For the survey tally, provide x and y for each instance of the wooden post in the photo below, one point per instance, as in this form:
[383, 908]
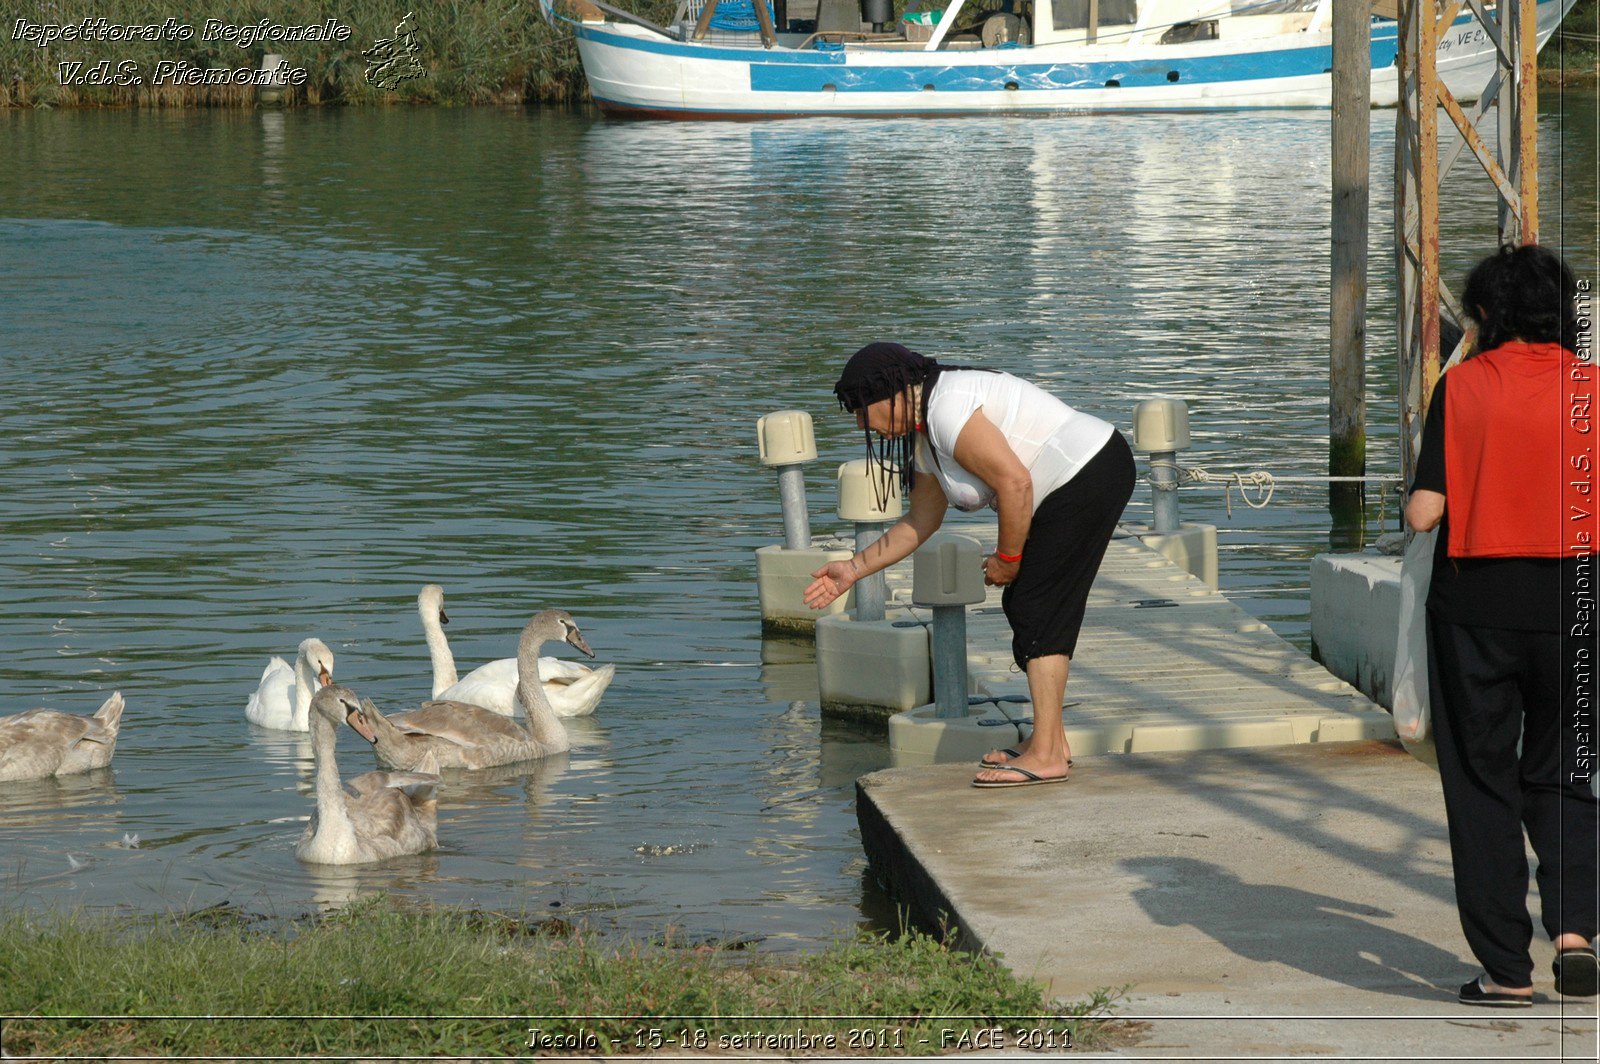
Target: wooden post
[1092, 33]
[703, 23]
[769, 35]
[1352, 139]
[1521, 23]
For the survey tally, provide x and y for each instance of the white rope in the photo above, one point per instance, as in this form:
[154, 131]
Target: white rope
[1260, 482]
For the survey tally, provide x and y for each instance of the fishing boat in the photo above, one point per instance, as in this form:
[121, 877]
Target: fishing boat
[749, 59]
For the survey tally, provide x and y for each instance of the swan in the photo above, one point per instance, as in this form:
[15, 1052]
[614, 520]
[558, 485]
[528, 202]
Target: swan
[572, 690]
[461, 735]
[283, 697]
[41, 742]
[373, 816]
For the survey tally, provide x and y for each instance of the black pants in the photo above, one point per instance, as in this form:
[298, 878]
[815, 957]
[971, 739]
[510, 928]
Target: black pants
[1486, 687]
[1066, 543]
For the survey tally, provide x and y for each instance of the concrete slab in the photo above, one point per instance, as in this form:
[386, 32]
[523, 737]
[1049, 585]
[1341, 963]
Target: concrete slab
[1259, 903]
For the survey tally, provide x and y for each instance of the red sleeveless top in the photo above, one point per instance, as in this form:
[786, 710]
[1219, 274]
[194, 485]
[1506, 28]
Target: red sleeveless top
[1520, 454]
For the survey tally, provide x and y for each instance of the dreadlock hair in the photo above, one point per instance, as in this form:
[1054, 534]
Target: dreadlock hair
[877, 372]
[1522, 293]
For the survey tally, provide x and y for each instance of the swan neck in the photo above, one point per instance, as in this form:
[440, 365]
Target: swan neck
[305, 685]
[444, 663]
[333, 817]
[542, 723]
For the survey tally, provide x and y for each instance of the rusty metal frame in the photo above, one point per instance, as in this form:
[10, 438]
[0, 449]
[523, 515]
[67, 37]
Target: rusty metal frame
[1512, 166]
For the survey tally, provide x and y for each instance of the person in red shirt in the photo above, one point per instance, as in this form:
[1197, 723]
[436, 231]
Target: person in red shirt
[1506, 473]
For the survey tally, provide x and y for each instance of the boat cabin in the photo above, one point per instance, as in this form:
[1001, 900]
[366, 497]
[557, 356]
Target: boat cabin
[961, 25]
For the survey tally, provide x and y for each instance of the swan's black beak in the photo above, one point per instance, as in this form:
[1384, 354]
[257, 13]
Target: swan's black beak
[359, 723]
[575, 638]
[444, 618]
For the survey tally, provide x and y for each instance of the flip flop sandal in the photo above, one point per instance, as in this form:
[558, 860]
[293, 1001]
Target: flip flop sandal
[1577, 972]
[984, 762]
[1033, 779]
[1473, 993]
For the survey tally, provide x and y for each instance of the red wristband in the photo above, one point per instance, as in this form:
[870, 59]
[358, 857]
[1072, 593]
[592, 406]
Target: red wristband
[1009, 559]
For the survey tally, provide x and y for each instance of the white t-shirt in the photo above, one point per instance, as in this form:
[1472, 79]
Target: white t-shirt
[1053, 440]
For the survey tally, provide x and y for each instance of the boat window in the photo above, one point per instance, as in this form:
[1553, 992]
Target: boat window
[1074, 14]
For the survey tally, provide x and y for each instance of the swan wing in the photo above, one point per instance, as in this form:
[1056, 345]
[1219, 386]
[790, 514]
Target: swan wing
[580, 696]
[390, 821]
[492, 686]
[272, 704]
[419, 786]
[462, 724]
[561, 671]
[34, 744]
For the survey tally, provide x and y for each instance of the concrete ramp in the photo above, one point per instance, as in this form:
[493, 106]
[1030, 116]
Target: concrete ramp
[1291, 901]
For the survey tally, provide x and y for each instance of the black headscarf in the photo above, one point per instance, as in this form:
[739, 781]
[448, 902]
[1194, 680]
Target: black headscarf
[875, 373]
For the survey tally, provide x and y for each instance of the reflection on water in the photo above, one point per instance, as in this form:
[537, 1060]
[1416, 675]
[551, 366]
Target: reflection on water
[278, 370]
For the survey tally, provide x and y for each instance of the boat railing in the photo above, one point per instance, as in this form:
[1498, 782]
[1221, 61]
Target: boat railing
[1159, 22]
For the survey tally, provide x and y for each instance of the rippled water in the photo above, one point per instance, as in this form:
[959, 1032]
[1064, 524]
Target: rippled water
[269, 373]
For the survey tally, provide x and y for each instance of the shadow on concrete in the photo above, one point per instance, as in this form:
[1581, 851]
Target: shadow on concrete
[1332, 942]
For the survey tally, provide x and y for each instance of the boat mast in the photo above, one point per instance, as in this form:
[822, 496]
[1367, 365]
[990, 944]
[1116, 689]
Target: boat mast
[944, 25]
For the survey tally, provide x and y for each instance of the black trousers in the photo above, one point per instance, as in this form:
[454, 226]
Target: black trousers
[1067, 541]
[1487, 687]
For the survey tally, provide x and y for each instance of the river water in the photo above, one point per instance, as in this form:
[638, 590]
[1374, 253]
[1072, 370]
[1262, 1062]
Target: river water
[269, 373]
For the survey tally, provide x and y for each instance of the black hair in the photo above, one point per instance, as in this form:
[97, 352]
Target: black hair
[1522, 293]
[877, 372]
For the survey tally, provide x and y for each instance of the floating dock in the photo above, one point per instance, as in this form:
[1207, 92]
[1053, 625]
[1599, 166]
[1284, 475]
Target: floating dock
[1265, 869]
[1164, 663]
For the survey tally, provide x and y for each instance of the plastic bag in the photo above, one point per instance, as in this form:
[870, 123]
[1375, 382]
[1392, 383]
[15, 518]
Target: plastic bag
[1411, 650]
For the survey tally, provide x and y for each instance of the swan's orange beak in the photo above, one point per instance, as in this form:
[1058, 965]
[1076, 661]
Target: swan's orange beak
[325, 676]
[355, 719]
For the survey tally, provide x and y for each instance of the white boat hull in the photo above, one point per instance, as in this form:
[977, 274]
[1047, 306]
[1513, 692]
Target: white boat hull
[632, 70]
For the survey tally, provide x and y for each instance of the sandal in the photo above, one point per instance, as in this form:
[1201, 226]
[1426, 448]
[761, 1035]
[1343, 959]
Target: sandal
[1577, 972]
[1029, 779]
[984, 762]
[1473, 993]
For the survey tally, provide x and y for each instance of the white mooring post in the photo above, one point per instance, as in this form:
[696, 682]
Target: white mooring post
[858, 502]
[947, 576]
[788, 441]
[1161, 430]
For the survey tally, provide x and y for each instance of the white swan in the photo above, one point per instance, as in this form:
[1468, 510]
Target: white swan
[461, 735]
[376, 814]
[572, 690]
[42, 742]
[283, 698]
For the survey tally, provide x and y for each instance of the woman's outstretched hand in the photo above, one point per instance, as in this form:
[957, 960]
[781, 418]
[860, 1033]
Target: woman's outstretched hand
[832, 580]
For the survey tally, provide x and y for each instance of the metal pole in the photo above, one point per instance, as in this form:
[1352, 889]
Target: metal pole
[948, 647]
[1164, 490]
[1352, 138]
[796, 522]
[872, 592]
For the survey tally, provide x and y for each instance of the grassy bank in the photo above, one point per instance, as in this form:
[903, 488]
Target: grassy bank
[78, 985]
[1573, 56]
